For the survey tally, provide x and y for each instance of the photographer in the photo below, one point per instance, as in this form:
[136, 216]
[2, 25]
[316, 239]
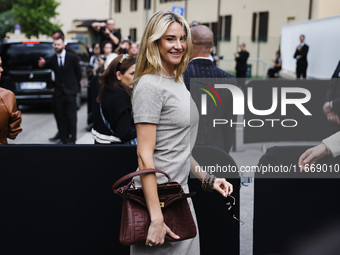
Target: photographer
[107, 32]
[124, 47]
[105, 59]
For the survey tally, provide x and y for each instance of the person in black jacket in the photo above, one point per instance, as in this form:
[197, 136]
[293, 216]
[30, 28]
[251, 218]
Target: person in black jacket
[301, 58]
[241, 58]
[113, 124]
[67, 85]
[201, 66]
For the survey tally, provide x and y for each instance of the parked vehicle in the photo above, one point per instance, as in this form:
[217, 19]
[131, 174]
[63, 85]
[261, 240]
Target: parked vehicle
[22, 75]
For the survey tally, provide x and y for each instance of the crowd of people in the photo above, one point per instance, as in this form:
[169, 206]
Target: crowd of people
[142, 97]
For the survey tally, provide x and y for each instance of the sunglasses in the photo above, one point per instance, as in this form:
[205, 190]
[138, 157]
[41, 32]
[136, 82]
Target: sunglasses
[230, 202]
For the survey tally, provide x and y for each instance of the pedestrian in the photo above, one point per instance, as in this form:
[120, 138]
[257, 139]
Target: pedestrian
[276, 67]
[108, 32]
[106, 58]
[56, 138]
[10, 117]
[241, 58]
[133, 51]
[301, 58]
[166, 120]
[201, 66]
[92, 85]
[113, 124]
[67, 85]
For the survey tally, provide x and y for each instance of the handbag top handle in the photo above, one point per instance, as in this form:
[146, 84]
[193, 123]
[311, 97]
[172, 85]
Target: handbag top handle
[139, 172]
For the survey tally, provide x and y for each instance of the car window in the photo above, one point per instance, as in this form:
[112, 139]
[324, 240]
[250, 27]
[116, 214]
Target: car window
[25, 56]
[80, 50]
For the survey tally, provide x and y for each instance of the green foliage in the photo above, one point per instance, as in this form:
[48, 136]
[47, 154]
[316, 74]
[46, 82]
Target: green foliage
[6, 5]
[34, 16]
[7, 23]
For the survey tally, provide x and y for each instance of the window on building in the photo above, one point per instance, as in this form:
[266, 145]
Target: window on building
[133, 34]
[290, 19]
[253, 27]
[133, 5]
[263, 26]
[117, 5]
[147, 4]
[262, 33]
[227, 28]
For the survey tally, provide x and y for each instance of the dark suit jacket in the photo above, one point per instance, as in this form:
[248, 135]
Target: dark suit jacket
[302, 61]
[67, 79]
[222, 136]
[241, 61]
[333, 91]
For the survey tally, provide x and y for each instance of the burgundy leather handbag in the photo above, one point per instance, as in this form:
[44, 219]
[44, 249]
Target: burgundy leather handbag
[135, 219]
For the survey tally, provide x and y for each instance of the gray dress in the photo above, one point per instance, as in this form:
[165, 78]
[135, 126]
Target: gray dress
[159, 100]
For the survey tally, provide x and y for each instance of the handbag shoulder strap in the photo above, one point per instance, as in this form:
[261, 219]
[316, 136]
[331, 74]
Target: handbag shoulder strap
[139, 172]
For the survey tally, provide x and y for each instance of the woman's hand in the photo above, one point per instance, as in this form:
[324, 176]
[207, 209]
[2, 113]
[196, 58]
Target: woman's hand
[333, 117]
[312, 155]
[156, 234]
[222, 186]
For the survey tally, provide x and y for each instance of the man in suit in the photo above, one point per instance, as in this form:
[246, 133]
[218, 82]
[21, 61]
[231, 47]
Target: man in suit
[67, 84]
[301, 58]
[201, 66]
[241, 58]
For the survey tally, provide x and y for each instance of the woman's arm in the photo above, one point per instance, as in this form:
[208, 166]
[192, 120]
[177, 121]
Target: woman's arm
[125, 129]
[221, 185]
[146, 141]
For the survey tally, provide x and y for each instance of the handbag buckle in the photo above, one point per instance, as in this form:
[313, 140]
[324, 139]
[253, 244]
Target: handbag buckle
[133, 184]
[161, 204]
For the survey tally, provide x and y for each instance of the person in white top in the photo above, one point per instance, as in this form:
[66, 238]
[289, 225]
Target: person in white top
[107, 58]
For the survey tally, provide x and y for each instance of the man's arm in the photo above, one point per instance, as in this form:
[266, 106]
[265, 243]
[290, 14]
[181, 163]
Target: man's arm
[113, 38]
[97, 25]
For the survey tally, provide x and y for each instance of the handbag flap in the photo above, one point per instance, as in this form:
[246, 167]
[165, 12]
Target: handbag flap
[168, 193]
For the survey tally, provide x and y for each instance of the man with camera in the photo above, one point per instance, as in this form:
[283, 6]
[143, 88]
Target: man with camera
[108, 32]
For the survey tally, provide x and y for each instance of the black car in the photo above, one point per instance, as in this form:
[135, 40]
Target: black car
[22, 75]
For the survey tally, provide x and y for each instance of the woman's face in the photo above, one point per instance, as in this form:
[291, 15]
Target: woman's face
[1, 70]
[172, 46]
[107, 49]
[96, 49]
[126, 79]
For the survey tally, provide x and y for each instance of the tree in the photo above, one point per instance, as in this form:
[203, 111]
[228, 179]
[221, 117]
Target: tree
[34, 16]
[7, 23]
[6, 5]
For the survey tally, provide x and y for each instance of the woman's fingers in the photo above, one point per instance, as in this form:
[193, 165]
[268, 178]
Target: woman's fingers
[223, 187]
[170, 233]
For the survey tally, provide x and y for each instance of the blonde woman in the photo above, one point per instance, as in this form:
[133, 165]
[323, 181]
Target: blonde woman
[166, 121]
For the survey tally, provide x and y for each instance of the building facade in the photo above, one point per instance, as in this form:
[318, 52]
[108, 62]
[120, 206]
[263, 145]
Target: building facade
[257, 23]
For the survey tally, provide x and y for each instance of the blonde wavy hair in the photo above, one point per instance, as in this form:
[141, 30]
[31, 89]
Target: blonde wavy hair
[148, 58]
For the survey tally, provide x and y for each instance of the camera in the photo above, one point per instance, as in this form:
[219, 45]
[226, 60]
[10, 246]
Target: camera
[219, 57]
[102, 29]
[123, 51]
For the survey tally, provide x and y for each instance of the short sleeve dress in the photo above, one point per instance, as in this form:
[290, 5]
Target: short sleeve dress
[160, 100]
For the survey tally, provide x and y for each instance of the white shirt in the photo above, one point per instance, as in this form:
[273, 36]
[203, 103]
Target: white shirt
[109, 58]
[62, 55]
[202, 58]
